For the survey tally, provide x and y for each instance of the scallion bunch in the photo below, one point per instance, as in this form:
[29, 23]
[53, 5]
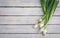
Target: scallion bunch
[48, 7]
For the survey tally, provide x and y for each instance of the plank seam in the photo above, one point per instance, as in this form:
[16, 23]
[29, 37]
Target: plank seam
[26, 24]
[28, 33]
[28, 15]
[22, 7]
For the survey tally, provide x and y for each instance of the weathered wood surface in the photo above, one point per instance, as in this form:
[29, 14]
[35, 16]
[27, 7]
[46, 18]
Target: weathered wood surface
[18, 16]
[29, 36]
[26, 19]
[24, 11]
[27, 29]
[20, 3]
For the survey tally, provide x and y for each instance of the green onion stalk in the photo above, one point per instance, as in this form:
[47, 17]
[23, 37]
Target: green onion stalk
[48, 7]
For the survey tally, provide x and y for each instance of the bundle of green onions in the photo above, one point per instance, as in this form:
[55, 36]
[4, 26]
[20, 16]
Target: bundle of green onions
[48, 7]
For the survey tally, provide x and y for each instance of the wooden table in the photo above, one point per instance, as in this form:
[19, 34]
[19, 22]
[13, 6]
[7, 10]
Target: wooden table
[18, 16]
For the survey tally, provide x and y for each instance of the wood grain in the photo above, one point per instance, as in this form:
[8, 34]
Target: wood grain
[26, 20]
[24, 11]
[21, 3]
[29, 36]
[22, 29]
[18, 16]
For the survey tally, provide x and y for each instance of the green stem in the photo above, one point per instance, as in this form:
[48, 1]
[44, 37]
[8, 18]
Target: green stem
[52, 12]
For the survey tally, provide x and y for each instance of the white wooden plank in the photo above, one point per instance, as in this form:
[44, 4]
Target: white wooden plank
[27, 29]
[25, 20]
[29, 36]
[24, 11]
[20, 3]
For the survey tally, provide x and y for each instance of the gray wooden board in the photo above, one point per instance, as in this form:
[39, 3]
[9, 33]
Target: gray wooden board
[29, 36]
[26, 19]
[20, 3]
[27, 29]
[24, 11]
[18, 16]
